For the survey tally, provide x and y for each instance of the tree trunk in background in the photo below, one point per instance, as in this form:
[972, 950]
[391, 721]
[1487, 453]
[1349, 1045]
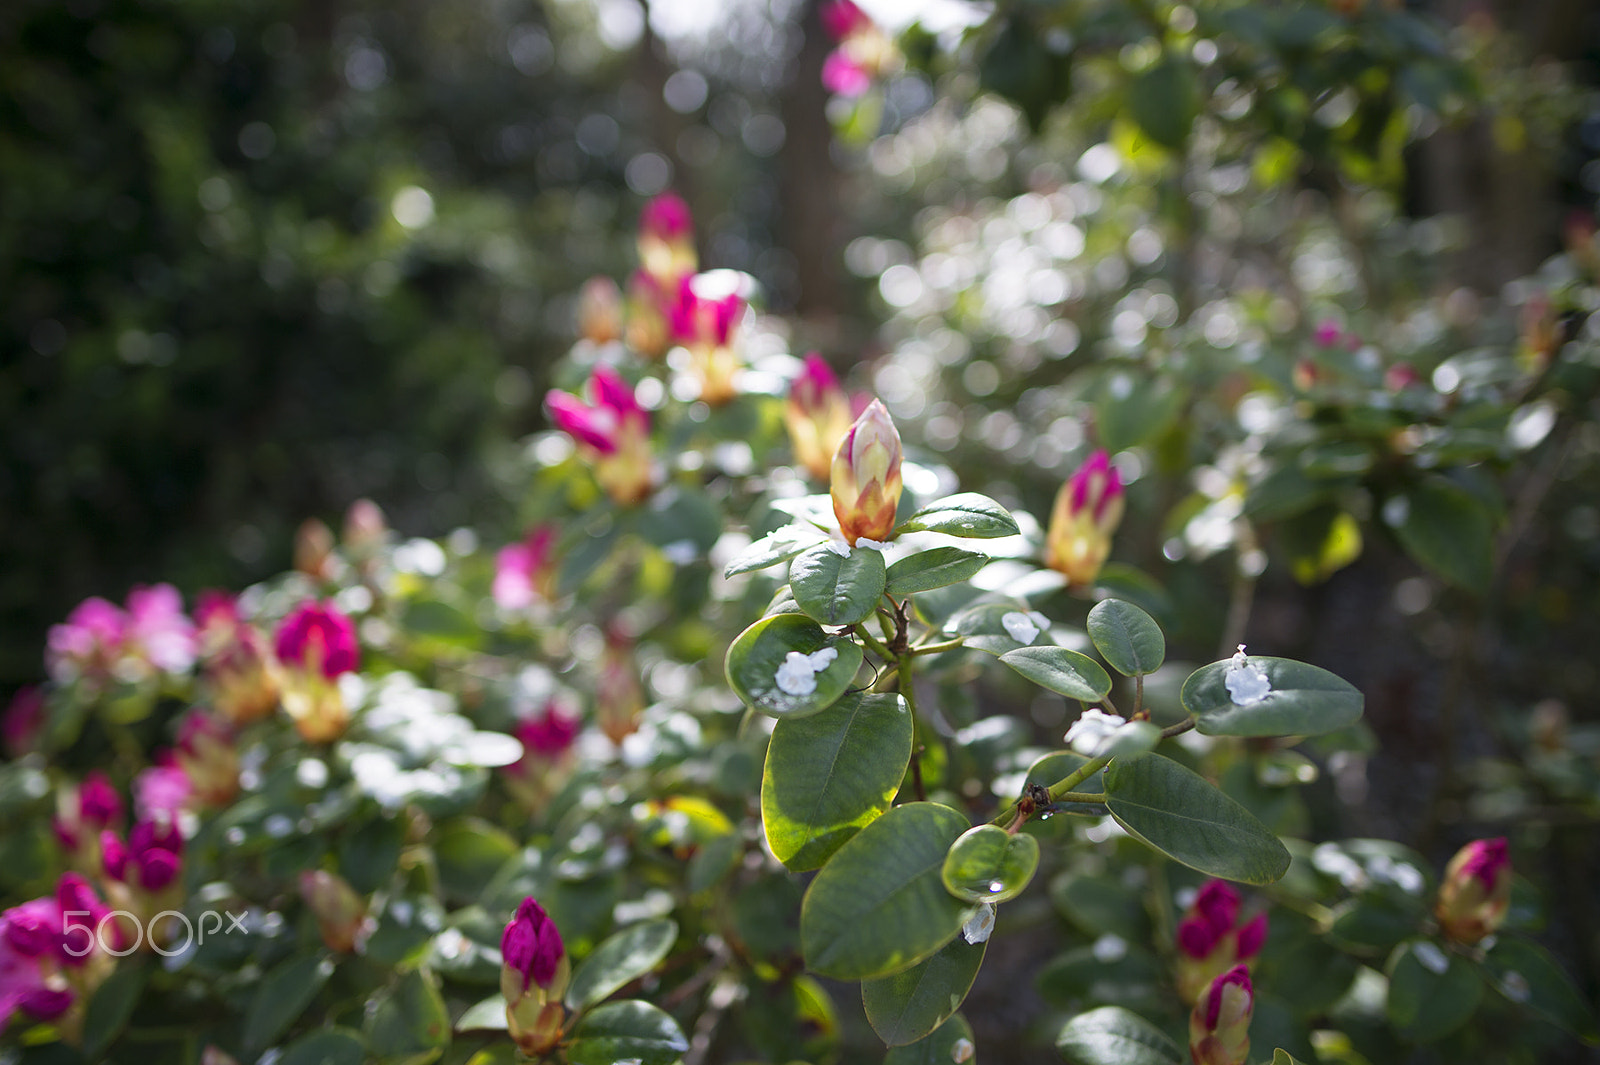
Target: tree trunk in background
[809, 183]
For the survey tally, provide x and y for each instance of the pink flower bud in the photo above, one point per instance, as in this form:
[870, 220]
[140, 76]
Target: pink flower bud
[532, 952]
[817, 416]
[317, 638]
[1210, 940]
[1087, 511]
[1219, 1026]
[550, 734]
[600, 310]
[47, 1003]
[161, 791]
[33, 929]
[159, 633]
[365, 528]
[866, 476]
[524, 572]
[208, 757]
[704, 325]
[613, 430]
[1327, 333]
[666, 240]
[313, 549]
[88, 643]
[341, 913]
[841, 18]
[1401, 376]
[843, 74]
[647, 332]
[1476, 890]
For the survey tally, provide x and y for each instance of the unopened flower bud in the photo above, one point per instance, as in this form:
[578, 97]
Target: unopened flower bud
[316, 644]
[365, 528]
[208, 757]
[341, 913]
[533, 977]
[1087, 511]
[600, 310]
[647, 332]
[524, 572]
[1476, 890]
[1211, 941]
[1219, 1025]
[817, 416]
[613, 433]
[313, 549]
[666, 240]
[866, 476]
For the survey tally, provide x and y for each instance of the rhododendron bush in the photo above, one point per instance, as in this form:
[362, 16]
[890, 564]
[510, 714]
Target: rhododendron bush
[780, 733]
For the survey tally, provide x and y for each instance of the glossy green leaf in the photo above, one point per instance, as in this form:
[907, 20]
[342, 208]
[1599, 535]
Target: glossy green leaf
[907, 1006]
[983, 628]
[618, 1031]
[1527, 975]
[879, 905]
[988, 864]
[1126, 637]
[950, 1044]
[112, 1005]
[619, 960]
[333, 1046]
[755, 656]
[1112, 1035]
[281, 997]
[1431, 992]
[1065, 672]
[1177, 812]
[963, 514]
[831, 773]
[1447, 529]
[1096, 905]
[1134, 408]
[775, 547]
[407, 1022]
[837, 590]
[1105, 972]
[1303, 701]
[486, 1015]
[937, 567]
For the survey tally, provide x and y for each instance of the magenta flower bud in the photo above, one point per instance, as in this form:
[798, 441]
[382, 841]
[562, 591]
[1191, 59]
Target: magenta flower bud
[531, 945]
[1327, 333]
[1210, 940]
[33, 929]
[524, 572]
[550, 734]
[1251, 938]
[46, 1003]
[1476, 890]
[1401, 376]
[865, 480]
[208, 757]
[1218, 904]
[161, 791]
[666, 217]
[842, 18]
[317, 638]
[99, 805]
[1196, 937]
[817, 416]
[1087, 511]
[24, 717]
[1219, 1026]
[844, 75]
[614, 430]
[88, 643]
[157, 869]
[79, 907]
[113, 855]
[666, 240]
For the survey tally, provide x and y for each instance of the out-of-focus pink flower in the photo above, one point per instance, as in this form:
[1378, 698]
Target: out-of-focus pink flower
[704, 325]
[1087, 511]
[666, 240]
[549, 735]
[24, 984]
[524, 572]
[817, 415]
[150, 859]
[318, 638]
[158, 630]
[88, 643]
[600, 310]
[1475, 893]
[161, 791]
[864, 52]
[1327, 333]
[83, 811]
[365, 528]
[1210, 940]
[208, 757]
[614, 430]
[843, 75]
[841, 18]
[1401, 376]
[216, 618]
[23, 719]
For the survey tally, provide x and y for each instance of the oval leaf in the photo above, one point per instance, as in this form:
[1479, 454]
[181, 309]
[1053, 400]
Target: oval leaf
[1175, 811]
[983, 627]
[773, 548]
[952, 1042]
[830, 774]
[756, 655]
[622, 958]
[1126, 637]
[838, 590]
[1431, 992]
[937, 567]
[628, 1029]
[1526, 974]
[1112, 1035]
[1447, 529]
[988, 864]
[1302, 701]
[963, 514]
[1062, 671]
[907, 1006]
[879, 906]
[409, 1021]
[281, 997]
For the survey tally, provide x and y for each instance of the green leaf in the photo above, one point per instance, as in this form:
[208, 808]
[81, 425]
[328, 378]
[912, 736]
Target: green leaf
[334, 1046]
[488, 1015]
[622, 958]
[1065, 672]
[937, 567]
[1283, 1057]
[1526, 974]
[1163, 100]
[907, 1006]
[407, 1023]
[1126, 637]
[1448, 530]
[370, 853]
[111, 1006]
[1112, 1035]
[1134, 408]
[627, 1029]
[879, 905]
[1096, 905]
[281, 997]
[838, 590]
[951, 1042]
[983, 627]
[1431, 992]
[1174, 810]
[775, 547]
[755, 656]
[1303, 701]
[968, 514]
[830, 774]
[469, 851]
[988, 864]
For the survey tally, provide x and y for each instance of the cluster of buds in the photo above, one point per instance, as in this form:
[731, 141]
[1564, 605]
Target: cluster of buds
[524, 572]
[54, 952]
[612, 432]
[1219, 1025]
[142, 873]
[667, 259]
[865, 482]
[314, 553]
[863, 52]
[163, 791]
[817, 415]
[704, 326]
[208, 757]
[341, 913]
[240, 675]
[547, 738]
[1475, 892]
[102, 642]
[1210, 939]
[533, 977]
[82, 813]
[1087, 511]
[316, 644]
